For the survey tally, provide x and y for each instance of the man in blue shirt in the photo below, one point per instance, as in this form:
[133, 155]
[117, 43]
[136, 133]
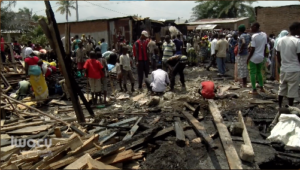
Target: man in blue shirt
[103, 46]
[178, 43]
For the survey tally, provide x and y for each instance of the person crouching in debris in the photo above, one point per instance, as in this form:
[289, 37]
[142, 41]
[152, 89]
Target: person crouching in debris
[94, 71]
[125, 64]
[158, 81]
[24, 89]
[207, 90]
[176, 65]
[64, 87]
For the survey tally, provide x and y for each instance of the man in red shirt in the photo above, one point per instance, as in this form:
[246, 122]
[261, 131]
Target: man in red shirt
[207, 90]
[141, 58]
[2, 50]
[94, 73]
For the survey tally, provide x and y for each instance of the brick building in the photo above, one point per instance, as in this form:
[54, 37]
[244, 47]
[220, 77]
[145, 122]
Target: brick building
[109, 29]
[273, 20]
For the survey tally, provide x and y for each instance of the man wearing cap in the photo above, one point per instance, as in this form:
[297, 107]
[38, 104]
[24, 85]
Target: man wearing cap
[176, 65]
[141, 58]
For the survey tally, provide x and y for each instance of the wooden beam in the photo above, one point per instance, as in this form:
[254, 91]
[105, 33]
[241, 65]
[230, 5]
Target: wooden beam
[93, 164]
[133, 129]
[10, 128]
[180, 137]
[45, 114]
[146, 135]
[246, 152]
[80, 163]
[119, 157]
[57, 132]
[67, 76]
[200, 130]
[233, 159]
[189, 106]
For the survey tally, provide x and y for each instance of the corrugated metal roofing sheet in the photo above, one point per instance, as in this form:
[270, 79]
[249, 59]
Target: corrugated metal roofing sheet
[217, 21]
[205, 27]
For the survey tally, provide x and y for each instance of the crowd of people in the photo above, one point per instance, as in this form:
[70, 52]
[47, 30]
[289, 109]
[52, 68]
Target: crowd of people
[253, 54]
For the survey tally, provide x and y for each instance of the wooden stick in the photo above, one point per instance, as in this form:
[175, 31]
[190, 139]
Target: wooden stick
[67, 75]
[189, 106]
[233, 159]
[180, 137]
[200, 130]
[45, 114]
[249, 156]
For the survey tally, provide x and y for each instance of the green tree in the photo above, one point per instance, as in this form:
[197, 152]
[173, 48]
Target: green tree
[26, 12]
[65, 7]
[223, 9]
[6, 14]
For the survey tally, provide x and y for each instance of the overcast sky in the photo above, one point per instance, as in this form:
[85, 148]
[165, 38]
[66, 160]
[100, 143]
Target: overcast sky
[89, 10]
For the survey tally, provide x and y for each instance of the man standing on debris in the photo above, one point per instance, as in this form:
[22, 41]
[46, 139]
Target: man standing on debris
[80, 56]
[169, 49]
[178, 43]
[151, 47]
[213, 51]
[242, 54]
[221, 51]
[256, 56]
[75, 44]
[141, 58]
[89, 47]
[158, 81]
[288, 55]
[104, 76]
[125, 65]
[176, 65]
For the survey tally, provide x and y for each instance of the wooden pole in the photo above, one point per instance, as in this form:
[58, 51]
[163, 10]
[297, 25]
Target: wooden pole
[37, 110]
[64, 63]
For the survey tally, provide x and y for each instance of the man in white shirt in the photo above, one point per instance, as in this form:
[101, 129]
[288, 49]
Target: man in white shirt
[213, 51]
[288, 55]
[256, 56]
[158, 81]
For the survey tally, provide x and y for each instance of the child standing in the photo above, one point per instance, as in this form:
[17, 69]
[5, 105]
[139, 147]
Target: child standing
[125, 65]
[104, 75]
[80, 55]
[94, 72]
[119, 74]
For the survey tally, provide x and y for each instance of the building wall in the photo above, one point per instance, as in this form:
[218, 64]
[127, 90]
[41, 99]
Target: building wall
[275, 19]
[97, 29]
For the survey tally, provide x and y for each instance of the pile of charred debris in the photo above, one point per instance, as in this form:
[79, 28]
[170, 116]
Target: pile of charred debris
[177, 130]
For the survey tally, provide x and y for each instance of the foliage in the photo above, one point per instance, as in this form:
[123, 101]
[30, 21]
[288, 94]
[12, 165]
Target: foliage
[223, 9]
[36, 36]
[6, 14]
[27, 12]
[65, 7]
